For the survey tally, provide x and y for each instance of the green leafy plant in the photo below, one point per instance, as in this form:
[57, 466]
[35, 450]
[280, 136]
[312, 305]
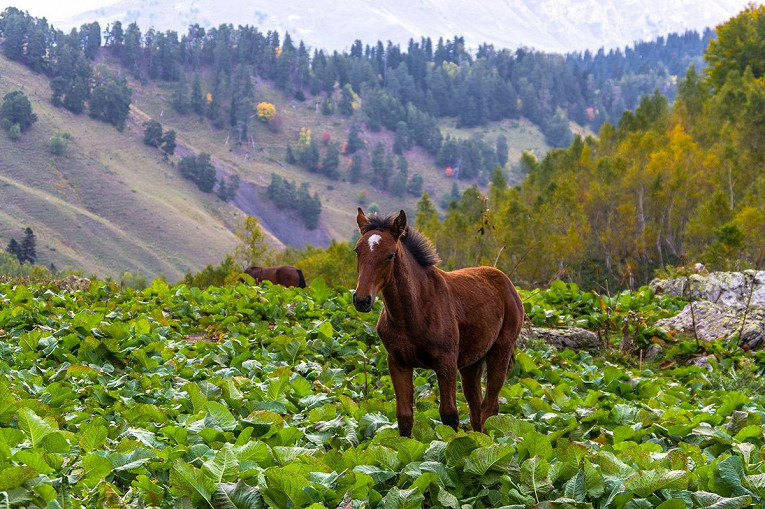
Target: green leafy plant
[240, 396]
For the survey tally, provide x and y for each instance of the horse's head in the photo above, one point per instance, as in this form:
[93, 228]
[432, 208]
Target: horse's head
[375, 252]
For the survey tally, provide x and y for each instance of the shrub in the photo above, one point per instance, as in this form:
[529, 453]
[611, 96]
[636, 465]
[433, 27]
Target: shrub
[58, 143]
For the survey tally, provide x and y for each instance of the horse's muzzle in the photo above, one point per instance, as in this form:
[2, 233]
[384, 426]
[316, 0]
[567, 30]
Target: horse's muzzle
[363, 305]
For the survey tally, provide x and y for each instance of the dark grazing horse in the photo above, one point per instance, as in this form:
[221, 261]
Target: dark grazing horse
[285, 275]
[444, 321]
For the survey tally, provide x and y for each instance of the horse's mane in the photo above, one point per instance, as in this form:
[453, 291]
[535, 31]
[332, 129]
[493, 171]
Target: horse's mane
[419, 245]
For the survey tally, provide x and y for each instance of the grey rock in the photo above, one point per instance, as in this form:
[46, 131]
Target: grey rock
[74, 283]
[703, 362]
[652, 352]
[714, 321]
[729, 288]
[723, 304]
[571, 337]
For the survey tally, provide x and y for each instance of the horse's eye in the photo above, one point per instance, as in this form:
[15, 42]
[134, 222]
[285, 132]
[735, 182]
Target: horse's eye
[391, 256]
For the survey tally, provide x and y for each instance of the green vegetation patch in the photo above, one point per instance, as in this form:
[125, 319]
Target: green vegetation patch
[264, 396]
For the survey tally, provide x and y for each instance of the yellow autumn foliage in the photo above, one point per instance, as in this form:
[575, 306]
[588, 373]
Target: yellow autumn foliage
[266, 111]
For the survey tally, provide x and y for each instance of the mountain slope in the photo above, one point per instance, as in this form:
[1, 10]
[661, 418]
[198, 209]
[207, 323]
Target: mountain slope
[547, 25]
[109, 204]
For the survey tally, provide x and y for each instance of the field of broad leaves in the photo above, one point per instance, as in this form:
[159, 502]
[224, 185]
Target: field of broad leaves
[246, 397]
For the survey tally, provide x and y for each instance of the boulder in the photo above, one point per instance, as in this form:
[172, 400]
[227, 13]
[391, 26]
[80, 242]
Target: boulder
[73, 283]
[714, 321]
[571, 337]
[729, 288]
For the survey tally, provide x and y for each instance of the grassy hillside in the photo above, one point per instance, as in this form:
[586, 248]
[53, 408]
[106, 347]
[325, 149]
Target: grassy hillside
[256, 163]
[110, 204]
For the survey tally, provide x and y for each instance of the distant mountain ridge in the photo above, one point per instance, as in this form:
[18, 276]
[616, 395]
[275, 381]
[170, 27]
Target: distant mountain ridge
[548, 25]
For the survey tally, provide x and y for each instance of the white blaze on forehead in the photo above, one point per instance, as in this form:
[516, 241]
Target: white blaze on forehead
[373, 241]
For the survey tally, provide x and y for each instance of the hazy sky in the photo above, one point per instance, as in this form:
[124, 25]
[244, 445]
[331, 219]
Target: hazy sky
[55, 9]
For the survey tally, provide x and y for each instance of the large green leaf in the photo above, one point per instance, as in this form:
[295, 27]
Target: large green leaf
[646, 482]
[397, 498]
[191, 482]
[755, 484]
[536, 444]
[35, 460]
[237, 496]
[224, 467]
[535, 478]
[286, 486]
[34, 426]
[705, 500]
[96, 466]
[91, 437]
[12, 477]
[576, 487]
[459, 449]
[133, 460]
[222, 418]
[483, 459]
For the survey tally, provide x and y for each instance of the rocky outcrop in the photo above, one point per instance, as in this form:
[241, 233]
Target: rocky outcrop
[571, 337]
[723, 305]
[712, 321]
[731, 289]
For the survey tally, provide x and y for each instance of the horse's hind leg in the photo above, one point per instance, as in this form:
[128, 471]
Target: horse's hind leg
[471, 386]
[447, 388]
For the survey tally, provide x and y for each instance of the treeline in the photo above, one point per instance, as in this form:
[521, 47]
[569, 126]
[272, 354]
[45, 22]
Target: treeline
[666, 186]
[415, 85]
[67, 60]
[388, 171]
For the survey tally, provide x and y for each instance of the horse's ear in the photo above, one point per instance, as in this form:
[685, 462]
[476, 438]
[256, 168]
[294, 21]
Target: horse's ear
[361, 220]
[399, 225]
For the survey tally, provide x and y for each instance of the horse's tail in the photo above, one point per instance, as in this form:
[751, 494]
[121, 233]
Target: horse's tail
[301, 279]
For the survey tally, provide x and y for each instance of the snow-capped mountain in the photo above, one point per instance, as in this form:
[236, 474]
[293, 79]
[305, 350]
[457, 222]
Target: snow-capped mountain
[549, 25]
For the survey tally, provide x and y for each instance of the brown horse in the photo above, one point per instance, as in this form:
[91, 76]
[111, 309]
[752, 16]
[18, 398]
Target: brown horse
[444, 321]
[285, 275]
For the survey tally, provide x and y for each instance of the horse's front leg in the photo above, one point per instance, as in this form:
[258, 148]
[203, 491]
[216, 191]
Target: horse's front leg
[404, 389]
[447, 387]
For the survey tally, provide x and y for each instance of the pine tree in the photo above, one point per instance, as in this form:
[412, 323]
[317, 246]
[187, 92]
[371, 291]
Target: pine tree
[233, 186]
[152, 134]
[398, 183]
[181, 96]
[402, 142]
[14, 248]
[378, 165]
[502, 150]
[197, 101]
[168, 143]
[331, 161]
[415, 185]
[356, 171]
[290, 155]
[17, 110]
[206, 173]
[345, 106]
[222, 191]
[28, 247]
[354, 140]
